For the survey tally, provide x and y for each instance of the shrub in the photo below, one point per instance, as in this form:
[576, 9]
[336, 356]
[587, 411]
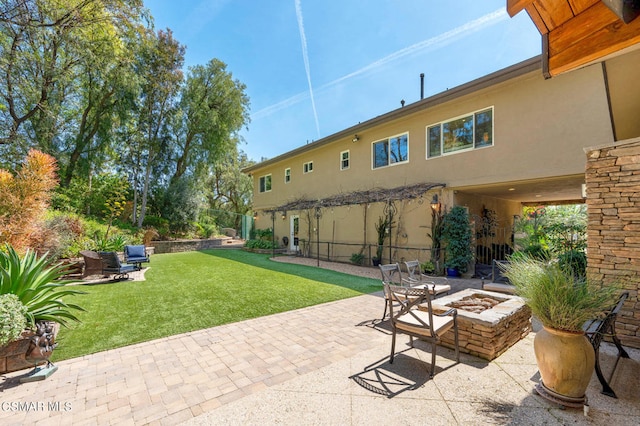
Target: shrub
[357, 258]
[456, 232]
[159, 224]
[574, 261]
[115, 242]
[260, 244]
[24, 199]
[13, 318]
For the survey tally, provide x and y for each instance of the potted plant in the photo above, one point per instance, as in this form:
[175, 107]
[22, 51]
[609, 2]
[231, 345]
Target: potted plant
[562, 302]
[457, 235]
[381, 230]
[427, 267]
[33, 299]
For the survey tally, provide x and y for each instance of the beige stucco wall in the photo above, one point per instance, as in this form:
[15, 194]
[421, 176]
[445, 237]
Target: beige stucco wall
[625, 94]
[540, 130]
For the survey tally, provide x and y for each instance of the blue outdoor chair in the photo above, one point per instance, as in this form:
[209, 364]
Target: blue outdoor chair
[111, 266]
[136, 255]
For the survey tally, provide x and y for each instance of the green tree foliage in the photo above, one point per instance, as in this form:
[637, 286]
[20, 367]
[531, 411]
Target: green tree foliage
[93, 84]
[214, 110]
[159, 67]
[180, 204]
[556, 231]
[229, 190]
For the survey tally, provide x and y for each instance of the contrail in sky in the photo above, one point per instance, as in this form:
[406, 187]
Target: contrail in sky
[305, 55]
[429, 44]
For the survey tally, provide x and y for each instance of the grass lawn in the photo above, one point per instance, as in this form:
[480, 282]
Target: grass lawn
[195, 290]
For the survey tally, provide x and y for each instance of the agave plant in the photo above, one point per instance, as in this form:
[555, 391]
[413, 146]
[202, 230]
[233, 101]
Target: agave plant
[38, 285]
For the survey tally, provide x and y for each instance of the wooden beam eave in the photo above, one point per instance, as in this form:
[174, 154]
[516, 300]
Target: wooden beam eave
[584, 39]
[516, 6]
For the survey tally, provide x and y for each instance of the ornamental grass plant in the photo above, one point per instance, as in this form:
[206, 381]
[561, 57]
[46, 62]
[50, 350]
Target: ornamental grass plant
[557, 297]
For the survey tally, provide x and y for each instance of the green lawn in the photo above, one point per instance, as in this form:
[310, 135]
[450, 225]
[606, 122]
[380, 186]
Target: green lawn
[195, 290]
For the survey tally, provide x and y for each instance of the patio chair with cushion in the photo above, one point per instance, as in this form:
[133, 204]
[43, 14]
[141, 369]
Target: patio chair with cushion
[111, 265]
[416, 276]
[415, 322]
[391, 274]
[136, 255]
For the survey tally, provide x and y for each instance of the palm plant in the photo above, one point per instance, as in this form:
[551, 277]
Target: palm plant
[38, 285]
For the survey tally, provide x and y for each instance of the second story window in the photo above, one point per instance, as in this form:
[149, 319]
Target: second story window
[464, 133]
[307, 167]
[265, 183]
[287, 175]
[344, 160]
[391, 151]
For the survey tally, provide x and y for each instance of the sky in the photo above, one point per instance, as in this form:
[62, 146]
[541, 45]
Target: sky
[314, 68]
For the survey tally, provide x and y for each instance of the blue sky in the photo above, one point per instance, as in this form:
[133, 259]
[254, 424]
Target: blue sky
[313, 68]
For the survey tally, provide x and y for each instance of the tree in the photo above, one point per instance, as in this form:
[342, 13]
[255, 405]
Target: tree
[159, 67]
[230, 190]
[42, 44]
[105, 94]
[214, 109]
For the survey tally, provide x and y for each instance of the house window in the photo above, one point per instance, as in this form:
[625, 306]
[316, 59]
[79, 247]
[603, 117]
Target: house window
[265, 183]
[307, 167]
[391, 151]
[462, 133]
[287, 175]
[344, 160]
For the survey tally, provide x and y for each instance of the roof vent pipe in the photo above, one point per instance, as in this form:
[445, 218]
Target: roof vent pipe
[421, 85]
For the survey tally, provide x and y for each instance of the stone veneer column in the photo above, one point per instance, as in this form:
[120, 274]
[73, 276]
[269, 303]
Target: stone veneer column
[613, 230]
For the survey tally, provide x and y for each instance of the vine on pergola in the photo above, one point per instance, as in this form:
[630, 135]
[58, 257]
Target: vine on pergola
[374, 195]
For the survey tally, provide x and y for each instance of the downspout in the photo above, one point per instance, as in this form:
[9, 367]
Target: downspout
[605, 78]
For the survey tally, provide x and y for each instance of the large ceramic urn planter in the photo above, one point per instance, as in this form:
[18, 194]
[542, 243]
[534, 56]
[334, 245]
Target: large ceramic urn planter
[566, 361]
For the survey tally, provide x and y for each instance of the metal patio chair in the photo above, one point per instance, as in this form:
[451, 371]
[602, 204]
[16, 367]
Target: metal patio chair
[415, 322]
[416, 276]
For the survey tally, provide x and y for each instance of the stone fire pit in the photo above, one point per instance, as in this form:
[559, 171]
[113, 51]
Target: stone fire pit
[499, 321]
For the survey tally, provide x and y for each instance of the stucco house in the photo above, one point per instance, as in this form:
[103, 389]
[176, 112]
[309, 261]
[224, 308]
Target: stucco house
[493, 145]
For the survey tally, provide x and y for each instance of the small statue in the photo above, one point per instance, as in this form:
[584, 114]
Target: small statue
[42, 343]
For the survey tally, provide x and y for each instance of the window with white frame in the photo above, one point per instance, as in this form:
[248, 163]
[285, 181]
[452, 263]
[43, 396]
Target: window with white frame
[265, 183]
[391, 151]
[470, 131]
[344, 160]
[307, 167]
[287, 175]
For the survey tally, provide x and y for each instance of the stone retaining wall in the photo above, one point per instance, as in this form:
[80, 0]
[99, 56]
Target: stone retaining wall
[179, 246]
[613, 230]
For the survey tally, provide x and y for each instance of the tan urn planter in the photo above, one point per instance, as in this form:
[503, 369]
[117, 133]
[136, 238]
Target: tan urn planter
[566, 361]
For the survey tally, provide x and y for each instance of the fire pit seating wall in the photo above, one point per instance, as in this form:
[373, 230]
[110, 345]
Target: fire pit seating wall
[489, 333]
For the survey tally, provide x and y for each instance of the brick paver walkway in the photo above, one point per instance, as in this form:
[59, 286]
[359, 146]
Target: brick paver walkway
[171, 380]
